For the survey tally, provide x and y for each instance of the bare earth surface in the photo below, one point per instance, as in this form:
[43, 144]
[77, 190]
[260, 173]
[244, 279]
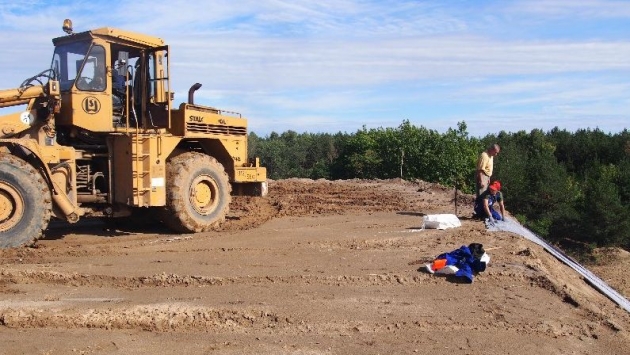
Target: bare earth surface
[316, 267]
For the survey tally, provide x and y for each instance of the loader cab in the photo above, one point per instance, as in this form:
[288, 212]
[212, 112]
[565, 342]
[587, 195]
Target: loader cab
[149, 98]
[108, 84]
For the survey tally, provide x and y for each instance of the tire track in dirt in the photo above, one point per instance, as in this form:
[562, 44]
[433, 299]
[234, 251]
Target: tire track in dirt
[10, 277]
[515, 276]
[184, 318]
[159, 318]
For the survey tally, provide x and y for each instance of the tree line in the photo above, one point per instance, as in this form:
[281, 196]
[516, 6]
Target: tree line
[571, 188]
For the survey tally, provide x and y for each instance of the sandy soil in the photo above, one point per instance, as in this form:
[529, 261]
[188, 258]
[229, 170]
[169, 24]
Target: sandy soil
[316, 267]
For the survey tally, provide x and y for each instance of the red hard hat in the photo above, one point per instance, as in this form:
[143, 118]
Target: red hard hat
[496, 185]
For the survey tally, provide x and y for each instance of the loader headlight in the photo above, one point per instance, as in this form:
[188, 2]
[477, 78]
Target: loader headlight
[27, 118]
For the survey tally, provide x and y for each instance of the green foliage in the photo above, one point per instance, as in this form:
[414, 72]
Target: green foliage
[566, 192]
[295, 155]
[457, 159]
[567, 187]
[361, 158]
[623, 180]
[606, 219]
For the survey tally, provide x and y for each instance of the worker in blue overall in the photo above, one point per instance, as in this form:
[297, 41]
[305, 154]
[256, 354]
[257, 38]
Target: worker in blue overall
[484, 205]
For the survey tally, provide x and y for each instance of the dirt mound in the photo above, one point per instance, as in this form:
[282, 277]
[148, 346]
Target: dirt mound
[612, 267]
[306, 197]
[610, 255]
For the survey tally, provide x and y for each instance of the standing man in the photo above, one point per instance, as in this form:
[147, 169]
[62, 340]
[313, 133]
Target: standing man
[484, 167]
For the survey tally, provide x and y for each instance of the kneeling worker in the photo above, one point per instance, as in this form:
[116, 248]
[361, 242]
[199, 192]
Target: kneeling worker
[484, 205]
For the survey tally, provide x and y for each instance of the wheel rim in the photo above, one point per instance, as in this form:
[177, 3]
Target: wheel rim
[203, 194]
[11, 206]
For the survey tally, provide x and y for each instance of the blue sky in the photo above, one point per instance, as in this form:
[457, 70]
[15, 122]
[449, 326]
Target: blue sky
[336, 66]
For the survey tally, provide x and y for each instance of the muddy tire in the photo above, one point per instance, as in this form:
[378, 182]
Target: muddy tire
[198, 193]
[25, 203]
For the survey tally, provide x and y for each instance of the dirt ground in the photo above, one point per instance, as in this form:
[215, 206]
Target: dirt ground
[316, 267]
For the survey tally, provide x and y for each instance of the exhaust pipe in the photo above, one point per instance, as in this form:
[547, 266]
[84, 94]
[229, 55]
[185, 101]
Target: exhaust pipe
[191, 93]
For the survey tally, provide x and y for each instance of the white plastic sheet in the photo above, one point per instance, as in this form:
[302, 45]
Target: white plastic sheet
[511, 225]
[440, 221]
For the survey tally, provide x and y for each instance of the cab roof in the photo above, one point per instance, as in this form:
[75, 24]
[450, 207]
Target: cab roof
[112, 35]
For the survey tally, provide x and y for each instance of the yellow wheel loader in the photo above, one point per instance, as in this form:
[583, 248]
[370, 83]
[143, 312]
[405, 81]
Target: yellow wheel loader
[99, 137]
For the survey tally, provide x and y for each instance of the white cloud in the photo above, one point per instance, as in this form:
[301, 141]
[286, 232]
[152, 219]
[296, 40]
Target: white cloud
[591, 9]
[336, 65]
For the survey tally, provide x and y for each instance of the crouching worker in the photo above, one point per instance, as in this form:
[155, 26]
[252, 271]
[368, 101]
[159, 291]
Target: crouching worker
[484, 205]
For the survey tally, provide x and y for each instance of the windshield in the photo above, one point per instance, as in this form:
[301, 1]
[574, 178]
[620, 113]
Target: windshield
[67, 62]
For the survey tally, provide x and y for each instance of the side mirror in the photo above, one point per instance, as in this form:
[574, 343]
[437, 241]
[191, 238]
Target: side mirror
[123, 58]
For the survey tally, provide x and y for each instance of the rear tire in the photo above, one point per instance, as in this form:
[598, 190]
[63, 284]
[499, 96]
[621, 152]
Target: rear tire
[197, 193]
[25, 203]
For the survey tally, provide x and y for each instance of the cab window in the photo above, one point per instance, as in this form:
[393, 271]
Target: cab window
[92, 76]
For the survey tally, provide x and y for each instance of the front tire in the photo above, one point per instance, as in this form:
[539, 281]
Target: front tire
[25, 203]
[197, 193]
